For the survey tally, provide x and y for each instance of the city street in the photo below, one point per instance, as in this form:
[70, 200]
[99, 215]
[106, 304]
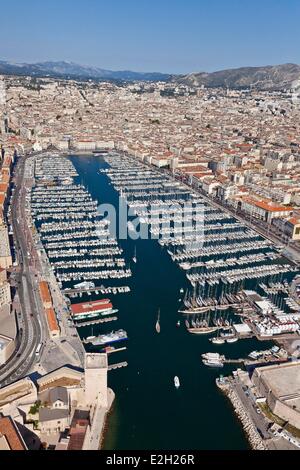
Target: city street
[31, 322]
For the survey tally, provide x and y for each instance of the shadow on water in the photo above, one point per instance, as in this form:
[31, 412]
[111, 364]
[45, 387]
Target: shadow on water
[149, 413]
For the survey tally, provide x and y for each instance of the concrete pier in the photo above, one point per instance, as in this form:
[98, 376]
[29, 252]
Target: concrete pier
[96, 322]
[118, 366]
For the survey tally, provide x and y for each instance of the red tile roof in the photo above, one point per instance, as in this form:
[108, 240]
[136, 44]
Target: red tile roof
[294, 221]
[267, 205]
[9, 430]
[45, 293]
[77, 434]
[51, 319]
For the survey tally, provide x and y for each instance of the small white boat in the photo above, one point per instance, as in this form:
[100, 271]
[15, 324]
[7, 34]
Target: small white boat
[134, 259]
[176, 382]
[218, 340]
[157, 325]
[212, 363]
[232, 340]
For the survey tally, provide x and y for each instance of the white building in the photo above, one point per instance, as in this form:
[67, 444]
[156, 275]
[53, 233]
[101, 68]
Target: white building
[5, 253]
[5, 294]
[85, 145]
[7, 347]
[95, 376]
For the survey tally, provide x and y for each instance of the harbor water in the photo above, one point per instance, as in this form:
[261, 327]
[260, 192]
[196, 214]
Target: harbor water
[149, 412]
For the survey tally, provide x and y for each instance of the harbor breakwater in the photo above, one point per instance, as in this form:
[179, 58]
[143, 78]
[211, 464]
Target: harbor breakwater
[254, 438]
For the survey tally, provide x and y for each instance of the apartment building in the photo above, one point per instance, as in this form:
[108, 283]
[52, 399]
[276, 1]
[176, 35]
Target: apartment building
[290, 227]
[5, 293]
[264, 209]
[5, 252]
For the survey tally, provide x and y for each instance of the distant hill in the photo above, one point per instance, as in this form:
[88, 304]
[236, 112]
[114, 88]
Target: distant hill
[75, 71]
[272, 77]
[276, 77]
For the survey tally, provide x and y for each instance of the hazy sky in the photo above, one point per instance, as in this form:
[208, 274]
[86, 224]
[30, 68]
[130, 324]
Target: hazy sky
[175, 36]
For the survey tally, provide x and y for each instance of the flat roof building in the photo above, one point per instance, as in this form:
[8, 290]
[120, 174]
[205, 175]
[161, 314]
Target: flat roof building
[7, 347]
[95, 375]
[45, 294]
[280, 385]
[21, 392]
[52, 323]
[5, 294]
[242, 329]
[5, 253]
[8, 333]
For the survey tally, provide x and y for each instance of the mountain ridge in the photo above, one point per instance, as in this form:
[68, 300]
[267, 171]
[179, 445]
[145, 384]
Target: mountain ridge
[263, 78]
[64, 69]
[270, 77]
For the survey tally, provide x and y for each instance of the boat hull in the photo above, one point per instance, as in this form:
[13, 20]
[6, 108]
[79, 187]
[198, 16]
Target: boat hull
[214, 365]
[195, 310]
[202, 331]
[96, 343]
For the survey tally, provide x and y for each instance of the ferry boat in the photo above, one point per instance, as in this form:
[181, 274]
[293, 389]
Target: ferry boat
[91, 316]
[213, 360]
[113, 337]
[92, 309]
[212, 363]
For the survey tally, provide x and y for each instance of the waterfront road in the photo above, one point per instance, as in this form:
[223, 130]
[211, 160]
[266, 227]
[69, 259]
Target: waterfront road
[30, 321]
[249, 402]
[273, 441]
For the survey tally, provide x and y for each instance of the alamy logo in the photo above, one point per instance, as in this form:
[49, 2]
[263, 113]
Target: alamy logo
[171, 223]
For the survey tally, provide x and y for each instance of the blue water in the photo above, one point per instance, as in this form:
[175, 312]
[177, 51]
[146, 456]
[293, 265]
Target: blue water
[148, 412]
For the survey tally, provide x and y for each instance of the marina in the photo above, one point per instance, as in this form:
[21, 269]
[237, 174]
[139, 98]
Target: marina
[95, 322]
[76, 237]
[97, 290]
[196, 279]
[220, 256]
[79, 246]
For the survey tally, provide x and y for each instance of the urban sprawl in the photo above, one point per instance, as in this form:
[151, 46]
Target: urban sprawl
[233, 158]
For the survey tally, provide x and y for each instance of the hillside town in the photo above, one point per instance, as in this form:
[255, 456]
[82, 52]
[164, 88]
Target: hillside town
[238, 149]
